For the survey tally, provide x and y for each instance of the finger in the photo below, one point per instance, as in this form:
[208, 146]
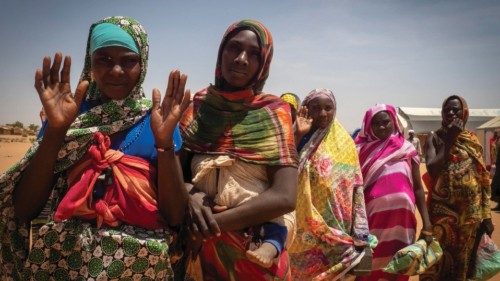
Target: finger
[200, 222]
[81, 92]
[186, 100]
[214, 226]
[39, 81]
[65, 72]
[179, 95]
[56, 66]
[168, 93]
[46, 71]
[156, 99]
[176, 82]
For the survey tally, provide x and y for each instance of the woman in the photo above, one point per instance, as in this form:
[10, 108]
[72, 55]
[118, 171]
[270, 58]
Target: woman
[332, 230]
[108, 106]
[242, 148]
[391, 173]
[460, 194]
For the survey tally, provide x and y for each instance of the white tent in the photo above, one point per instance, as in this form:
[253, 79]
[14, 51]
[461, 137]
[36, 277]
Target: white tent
[491, 125]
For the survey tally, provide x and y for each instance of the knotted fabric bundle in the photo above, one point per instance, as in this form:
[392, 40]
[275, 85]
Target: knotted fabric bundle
[111, 187]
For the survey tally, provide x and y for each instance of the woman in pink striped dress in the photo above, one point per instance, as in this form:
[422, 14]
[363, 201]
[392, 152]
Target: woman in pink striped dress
[390, 167]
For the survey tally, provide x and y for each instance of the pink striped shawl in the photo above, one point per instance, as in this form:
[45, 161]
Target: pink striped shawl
[375, 153]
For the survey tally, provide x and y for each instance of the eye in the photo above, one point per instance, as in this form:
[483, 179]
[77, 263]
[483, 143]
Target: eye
[130, 62]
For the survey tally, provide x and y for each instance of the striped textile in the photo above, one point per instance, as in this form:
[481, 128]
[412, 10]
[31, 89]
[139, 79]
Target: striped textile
[389, 196]
[253, 128]
[130, 198]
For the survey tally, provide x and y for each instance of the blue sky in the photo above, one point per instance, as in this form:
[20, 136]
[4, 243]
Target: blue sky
[407, 53]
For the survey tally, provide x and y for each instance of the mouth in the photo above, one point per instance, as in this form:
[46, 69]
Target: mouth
[238, 72]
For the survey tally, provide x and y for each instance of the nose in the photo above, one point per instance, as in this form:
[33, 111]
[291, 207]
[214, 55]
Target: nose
[242, 58]
[322, 113]
[116, 70]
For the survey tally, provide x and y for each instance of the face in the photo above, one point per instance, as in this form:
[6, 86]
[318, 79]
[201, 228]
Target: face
[116, 71]
[382, 126]
[240, 59]
[452, 110]
[321, 110]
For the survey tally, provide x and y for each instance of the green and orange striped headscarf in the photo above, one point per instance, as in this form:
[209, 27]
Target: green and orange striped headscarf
[266, 52]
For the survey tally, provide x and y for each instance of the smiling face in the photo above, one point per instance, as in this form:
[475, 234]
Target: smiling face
[240, 59]
[382, 126]
[116, 71]
[452, 110]
[322, 111]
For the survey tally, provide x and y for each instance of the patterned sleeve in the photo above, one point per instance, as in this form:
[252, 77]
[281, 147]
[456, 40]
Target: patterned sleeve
[485, 201]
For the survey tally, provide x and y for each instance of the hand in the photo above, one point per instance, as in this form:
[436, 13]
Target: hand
[427, 234]
[60, 105]
[202, 219]
[303, 123]
[164, 117]
[488, 226]
[454, 129]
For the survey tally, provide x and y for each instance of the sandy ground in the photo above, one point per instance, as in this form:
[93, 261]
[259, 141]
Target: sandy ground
[10, 152]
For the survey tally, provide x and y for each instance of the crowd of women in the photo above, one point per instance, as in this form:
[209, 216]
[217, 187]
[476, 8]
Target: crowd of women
[230, 184]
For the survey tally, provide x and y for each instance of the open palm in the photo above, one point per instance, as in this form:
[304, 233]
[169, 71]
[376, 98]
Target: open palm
[164, 117]
[304, 122]
[53, 87]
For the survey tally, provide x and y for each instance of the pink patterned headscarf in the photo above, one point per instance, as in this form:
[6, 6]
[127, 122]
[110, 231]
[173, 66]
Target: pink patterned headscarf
[374, 152]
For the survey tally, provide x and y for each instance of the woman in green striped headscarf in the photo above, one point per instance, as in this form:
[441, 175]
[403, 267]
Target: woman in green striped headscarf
[108, 118]
[243, 160]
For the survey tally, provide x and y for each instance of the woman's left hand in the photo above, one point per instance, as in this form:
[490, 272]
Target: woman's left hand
[165, 116]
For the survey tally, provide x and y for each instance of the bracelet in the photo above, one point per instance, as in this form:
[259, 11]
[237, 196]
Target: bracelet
[165, 149]
[426, 232]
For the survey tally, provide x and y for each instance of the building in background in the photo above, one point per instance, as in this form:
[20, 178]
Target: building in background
[425, 120]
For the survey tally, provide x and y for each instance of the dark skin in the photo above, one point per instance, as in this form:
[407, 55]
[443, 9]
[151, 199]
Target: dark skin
[280, 198]
[382, 127]
[318, 114]
[61, 107]
[439, 146]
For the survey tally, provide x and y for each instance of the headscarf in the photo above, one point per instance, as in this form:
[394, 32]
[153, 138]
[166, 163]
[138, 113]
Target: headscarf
[291, 99]
[255, 128]
[330, 214]
[465, 108]
[108, 35]
[266, 52]
[374, 152]
[110, 117]
[319, 134]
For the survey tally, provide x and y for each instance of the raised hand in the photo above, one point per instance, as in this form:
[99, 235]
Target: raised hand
[303, 123]
[454, 129]
[164, 117]
[53, 87]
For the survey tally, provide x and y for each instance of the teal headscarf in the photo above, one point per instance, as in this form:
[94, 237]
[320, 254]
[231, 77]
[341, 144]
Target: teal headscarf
[107, 35]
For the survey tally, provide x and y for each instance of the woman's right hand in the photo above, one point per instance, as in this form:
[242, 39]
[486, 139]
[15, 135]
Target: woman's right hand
[303, 123]
[202, 218]
[53, 87]
[454, 129]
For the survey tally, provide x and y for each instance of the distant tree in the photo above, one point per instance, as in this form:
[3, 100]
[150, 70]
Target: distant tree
[18, 124]
[33, 127]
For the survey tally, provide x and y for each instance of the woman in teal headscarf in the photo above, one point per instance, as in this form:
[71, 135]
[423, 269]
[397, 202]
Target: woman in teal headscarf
[106, 120]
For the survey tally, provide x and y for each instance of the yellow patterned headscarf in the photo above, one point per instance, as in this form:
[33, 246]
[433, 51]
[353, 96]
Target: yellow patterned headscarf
[291, 99]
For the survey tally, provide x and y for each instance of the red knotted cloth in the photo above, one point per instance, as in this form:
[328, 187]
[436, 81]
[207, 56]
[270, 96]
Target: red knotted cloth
[130, 197]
